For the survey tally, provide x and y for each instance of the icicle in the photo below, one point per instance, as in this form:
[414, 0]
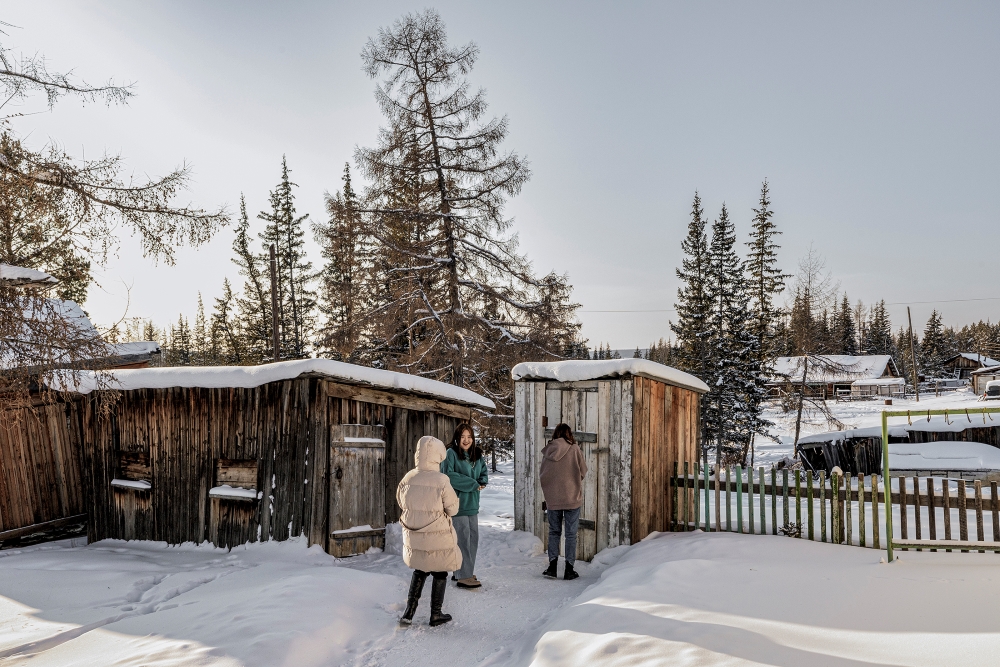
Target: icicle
[967, 415]
[945, 417]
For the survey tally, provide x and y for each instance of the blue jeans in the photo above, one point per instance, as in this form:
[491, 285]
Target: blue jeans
[556, 519]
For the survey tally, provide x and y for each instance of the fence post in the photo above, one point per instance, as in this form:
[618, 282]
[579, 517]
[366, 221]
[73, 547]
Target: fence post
[946, 496]
[687, 502]
[902, 508]
[809, 499]
[861, 510]
[835, 508]
[979, 512]
[784, 496]
[774, 502]
[917, 519]
[847, 514]
[822, 505]
[875, 524]
[697, 495]
[798, 500]
[729, 498]
[718, 505]
[750, 501]
[931, 510]
[963, 513]
[739, 498]
[763, 506]
[888, 486]
[673, 500]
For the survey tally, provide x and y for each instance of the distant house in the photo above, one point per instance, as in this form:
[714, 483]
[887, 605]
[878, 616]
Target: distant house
[829, 374]
[963, 364]
[984, 375]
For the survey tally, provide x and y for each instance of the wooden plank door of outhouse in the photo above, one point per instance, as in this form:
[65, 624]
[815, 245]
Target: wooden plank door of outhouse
[577, 405]
[357, 489]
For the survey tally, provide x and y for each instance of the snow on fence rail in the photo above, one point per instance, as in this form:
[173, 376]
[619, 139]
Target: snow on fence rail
[842, 509]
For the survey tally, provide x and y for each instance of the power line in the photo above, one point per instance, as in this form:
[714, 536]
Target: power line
[894, 303]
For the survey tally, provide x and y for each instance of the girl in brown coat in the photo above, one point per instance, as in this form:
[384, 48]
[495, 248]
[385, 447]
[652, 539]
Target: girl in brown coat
[562, 472]
[430, 545]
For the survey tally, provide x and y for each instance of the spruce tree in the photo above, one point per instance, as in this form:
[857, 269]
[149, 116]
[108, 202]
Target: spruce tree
[228, 338]
[296, 301]
[347, 279]
[253, 305]
[844, 330]
[934, 346]
[693, 303]
[199, 337]
[731, 408]
[765, 281]
[878, 336]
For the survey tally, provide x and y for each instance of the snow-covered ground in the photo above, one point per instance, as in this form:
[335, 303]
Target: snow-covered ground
[678, 599]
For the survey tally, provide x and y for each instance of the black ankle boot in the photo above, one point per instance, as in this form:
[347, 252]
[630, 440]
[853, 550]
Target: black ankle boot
[553, 569]
[416, 586]
[570, 573]
[438, 587]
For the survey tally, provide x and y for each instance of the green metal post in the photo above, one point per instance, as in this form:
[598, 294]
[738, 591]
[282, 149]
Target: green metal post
[763, 506]
[750, 500]
[798, 500]
[708, 521]
[887, 483]
[729, 502]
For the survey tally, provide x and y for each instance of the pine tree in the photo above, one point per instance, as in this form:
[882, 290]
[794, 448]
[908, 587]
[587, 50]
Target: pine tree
[296, 301]
[180, 343]
[765, 281]
[227, 336]
[693, 303]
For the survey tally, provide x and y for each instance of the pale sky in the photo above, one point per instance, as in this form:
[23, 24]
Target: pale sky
[875, 124]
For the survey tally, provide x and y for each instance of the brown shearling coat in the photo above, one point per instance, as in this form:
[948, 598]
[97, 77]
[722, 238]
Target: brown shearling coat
[562, 472]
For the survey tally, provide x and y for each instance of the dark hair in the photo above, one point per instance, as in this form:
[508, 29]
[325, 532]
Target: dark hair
[565, 432]
[474, 453]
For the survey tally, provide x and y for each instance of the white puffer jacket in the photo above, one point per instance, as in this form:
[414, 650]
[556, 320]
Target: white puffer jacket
[428, 502]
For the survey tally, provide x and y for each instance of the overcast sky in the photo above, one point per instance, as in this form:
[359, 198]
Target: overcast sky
[875, 124]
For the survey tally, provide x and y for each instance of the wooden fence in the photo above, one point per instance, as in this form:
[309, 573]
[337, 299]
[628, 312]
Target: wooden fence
[842, 509]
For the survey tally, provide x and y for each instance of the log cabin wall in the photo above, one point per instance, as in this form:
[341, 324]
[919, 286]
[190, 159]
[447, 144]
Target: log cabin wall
[666, 426]
[40, 465]
[283, 427]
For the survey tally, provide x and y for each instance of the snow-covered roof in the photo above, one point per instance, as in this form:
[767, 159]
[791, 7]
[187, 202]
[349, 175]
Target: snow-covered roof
[577, 370]
[956, 423]
[834, 367]
[982, 359]
[879, 382]
[943, 455]
[22, 276]
[254, 376]
[988, 370]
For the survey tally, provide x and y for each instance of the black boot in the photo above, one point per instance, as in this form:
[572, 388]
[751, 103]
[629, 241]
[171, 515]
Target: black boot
[570, 573]
[416, 586]
[552, 571]
[438, 587]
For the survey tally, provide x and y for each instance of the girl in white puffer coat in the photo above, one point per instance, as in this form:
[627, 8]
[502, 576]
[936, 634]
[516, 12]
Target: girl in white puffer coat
[430, 545]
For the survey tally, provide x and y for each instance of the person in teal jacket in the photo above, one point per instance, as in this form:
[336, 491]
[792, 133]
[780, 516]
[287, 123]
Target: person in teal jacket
[466, 468]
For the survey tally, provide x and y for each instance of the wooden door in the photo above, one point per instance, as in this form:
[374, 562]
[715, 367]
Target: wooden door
[357, 489]
[578, 405]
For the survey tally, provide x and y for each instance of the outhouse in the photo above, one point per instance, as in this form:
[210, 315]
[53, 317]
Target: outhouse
[237, 454]
[633, 418]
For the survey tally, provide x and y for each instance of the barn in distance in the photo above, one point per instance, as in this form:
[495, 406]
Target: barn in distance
[633, 418]
[237, 454]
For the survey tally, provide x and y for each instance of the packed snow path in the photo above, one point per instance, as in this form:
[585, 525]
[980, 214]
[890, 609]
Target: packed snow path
[144, 603]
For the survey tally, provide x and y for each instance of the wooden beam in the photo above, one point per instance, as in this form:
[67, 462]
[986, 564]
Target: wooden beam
[46, 525]
[398, 400]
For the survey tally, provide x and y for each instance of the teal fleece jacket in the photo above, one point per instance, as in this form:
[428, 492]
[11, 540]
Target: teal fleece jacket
[466, 478]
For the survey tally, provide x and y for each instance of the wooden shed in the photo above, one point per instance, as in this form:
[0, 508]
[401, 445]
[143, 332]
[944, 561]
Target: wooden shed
[311, 447]
[633, 418]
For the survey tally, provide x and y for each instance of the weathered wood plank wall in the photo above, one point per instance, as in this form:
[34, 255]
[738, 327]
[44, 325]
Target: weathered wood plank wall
[40, 465]
[666, 420]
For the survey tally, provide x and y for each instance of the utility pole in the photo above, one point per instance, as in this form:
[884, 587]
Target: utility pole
[913, 355]
[275, 337]
[802, 394]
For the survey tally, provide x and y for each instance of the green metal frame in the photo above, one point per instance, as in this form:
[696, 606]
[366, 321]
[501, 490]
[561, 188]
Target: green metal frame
[886, 482]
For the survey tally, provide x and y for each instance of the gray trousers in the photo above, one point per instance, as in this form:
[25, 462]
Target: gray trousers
[467, 528]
